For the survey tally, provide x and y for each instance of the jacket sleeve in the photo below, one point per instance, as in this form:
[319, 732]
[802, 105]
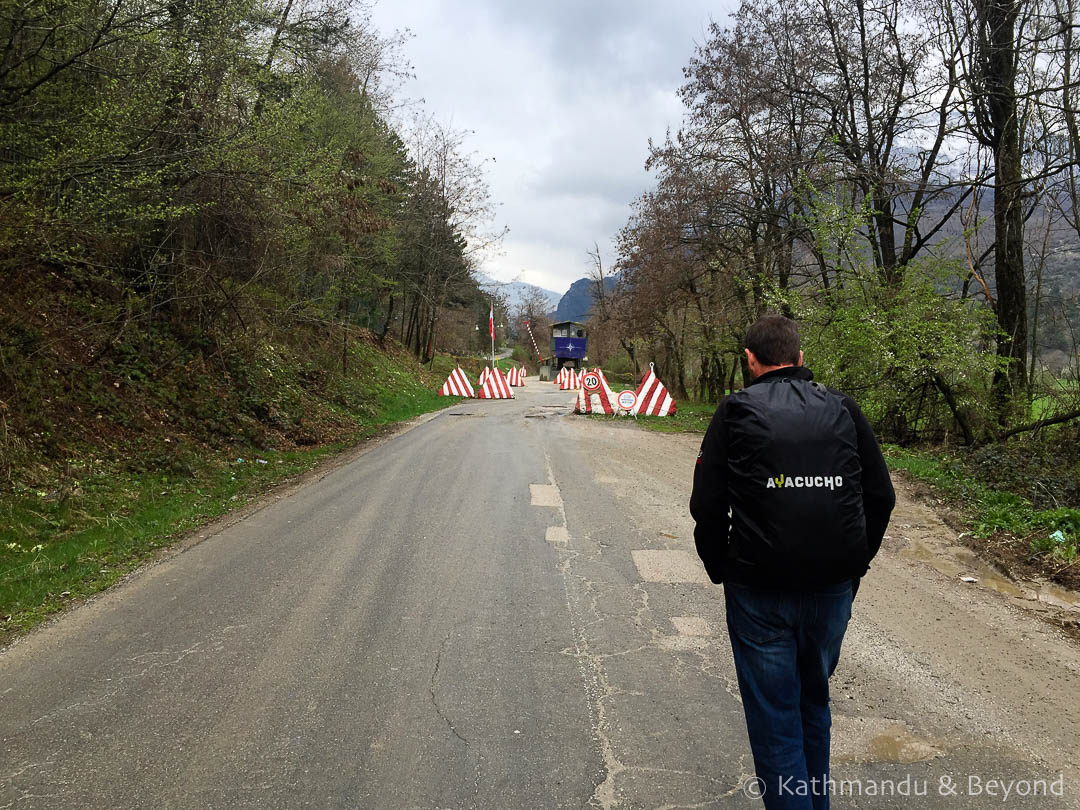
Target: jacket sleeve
[879, 498]
[709, 499]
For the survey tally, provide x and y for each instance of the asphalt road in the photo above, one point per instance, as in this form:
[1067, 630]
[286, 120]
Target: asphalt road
[497, 608]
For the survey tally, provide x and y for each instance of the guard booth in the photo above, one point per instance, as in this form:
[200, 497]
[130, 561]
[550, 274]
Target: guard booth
[568, 342]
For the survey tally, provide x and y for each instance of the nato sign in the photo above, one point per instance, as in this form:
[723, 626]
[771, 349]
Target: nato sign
[572, 347]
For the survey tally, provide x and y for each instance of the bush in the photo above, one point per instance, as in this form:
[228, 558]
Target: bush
[919, 364]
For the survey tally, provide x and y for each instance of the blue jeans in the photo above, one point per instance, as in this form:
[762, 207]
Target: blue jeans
[786, 645]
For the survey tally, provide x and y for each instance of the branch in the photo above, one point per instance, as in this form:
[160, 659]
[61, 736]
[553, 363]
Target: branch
[1041, 423]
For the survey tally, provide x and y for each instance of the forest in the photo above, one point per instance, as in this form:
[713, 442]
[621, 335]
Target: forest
[901, 176]
[199, 158]
[189, 187]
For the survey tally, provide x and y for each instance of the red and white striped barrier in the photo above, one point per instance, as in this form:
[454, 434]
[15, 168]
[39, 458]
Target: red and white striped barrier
[595, 395]
[483, 376]
[653, 398]
[494, 386]
[561, 376]
[515, 377]
[457, 385]
[571, 381]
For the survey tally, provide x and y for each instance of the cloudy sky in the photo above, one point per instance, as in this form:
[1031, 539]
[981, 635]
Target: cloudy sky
[564, 96]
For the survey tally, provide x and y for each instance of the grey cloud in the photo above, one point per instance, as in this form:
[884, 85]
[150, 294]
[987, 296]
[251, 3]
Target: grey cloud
[565, 95]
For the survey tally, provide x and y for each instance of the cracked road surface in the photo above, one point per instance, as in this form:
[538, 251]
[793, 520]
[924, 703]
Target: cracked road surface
[500, 607]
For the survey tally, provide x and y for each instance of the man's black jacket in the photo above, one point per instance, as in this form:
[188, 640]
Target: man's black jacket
[736, 536]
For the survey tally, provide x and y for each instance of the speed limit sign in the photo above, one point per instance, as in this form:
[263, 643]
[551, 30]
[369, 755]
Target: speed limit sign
[626, 400]
[591, 381]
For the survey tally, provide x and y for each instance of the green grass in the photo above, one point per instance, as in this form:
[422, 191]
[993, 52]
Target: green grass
[506, 363]
[55, 549]
[1054, 533]
[689, 417]
[1061, 396]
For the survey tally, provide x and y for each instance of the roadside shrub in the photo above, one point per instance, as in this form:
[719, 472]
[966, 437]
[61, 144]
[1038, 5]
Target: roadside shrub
[918, 363]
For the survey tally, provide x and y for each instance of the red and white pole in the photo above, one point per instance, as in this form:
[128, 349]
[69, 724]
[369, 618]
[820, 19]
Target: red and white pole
[491, 331]
[538, 355]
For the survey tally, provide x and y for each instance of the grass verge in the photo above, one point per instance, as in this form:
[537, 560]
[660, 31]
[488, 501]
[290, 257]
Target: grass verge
[693, 417]
[690, 417]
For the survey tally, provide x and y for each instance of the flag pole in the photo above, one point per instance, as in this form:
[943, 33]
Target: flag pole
[491, 328]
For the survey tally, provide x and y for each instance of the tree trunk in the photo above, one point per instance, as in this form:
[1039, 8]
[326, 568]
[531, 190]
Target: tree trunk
[711, 382]
[997, 58]
[744, 366]
[388, 322]
[958, 413]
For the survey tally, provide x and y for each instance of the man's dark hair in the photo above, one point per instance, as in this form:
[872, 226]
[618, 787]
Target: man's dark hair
[774, 340]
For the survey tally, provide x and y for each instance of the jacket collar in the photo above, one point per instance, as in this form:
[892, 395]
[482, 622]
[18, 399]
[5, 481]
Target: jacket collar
[785, 373]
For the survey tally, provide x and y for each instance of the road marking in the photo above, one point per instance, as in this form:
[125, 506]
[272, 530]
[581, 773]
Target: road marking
[545, 495]
[668, 566]
[557, 534]
[549, 495]
[690, 626]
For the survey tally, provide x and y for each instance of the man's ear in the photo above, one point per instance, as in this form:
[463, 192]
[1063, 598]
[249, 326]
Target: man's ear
[800, 359]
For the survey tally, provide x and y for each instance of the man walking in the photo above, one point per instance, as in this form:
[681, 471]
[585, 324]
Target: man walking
[791, 499]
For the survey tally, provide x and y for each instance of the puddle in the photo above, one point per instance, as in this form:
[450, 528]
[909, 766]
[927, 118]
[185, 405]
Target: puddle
[901, 747]
[875, 739]
[957, 561]
[1058, 597]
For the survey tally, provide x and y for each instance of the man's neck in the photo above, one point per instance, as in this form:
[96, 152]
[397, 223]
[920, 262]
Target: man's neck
[762, 371]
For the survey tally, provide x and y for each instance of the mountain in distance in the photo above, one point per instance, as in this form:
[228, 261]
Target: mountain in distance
[516, 291]
[577, 304]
